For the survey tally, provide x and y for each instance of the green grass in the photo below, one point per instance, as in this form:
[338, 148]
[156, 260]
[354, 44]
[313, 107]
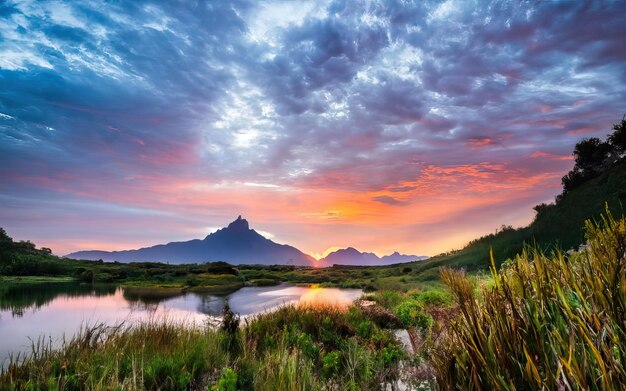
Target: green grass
[293, 348]
[35, 279]
[548, 322]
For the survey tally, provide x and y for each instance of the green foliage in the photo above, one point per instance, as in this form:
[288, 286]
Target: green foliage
[227, 381]
[365, 329]
[411, 314]
[309, 348]
[390, 355]
[434, 298]
[330, 364]
[168, 356]
[547, 322]
[387, 299]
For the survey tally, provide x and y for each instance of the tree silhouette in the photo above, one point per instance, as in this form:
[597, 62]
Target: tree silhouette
[591, 155]
[618, 138]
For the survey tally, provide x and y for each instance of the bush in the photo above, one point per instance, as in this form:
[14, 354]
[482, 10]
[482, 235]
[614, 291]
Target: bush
[387, 299]
[227, 381]
[309, 348]
[330, 364]
[364, 329]
[411, 314]
[434, 298]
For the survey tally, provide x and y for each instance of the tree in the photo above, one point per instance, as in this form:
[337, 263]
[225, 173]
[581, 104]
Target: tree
[572, 180]
[618, 138]
[542, 208]
[5, 239]
[591, 155]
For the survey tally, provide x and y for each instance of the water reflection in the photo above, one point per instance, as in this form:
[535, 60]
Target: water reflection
[31, 311]
[20, 297]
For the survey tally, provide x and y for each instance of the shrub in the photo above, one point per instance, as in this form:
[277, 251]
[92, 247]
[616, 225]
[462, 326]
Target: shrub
[330, 364]
[434, 298]
[387, 299]
[227, 381]
[309, 348]
[364, 329]
[412, 314]
[230, 322]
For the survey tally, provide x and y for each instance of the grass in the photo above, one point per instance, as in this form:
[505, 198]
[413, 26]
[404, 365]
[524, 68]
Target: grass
[293, 348]
[34, 279]
[548, 322]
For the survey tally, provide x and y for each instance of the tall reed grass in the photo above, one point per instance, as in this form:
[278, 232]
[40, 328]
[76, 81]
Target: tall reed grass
[548, 322]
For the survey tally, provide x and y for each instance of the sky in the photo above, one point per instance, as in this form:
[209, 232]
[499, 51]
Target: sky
[413, 126]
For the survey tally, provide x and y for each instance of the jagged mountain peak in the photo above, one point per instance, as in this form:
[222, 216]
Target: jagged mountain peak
[240, 224]
[235, 244]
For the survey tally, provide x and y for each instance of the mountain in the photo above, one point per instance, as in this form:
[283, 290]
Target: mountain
[396, 257]
[235, 244]
[353, 257]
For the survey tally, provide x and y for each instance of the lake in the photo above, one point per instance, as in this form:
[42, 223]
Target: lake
[52, 310]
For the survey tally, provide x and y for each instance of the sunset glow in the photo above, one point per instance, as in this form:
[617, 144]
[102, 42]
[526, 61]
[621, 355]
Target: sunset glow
[410, 126]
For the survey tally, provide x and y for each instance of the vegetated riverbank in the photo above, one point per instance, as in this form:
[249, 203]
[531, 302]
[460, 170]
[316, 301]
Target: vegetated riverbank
[293, 347]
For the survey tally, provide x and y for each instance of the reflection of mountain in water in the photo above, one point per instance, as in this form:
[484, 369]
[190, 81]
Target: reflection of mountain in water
[211, 305]
[20, 297]
[149, 299]
[149, 295]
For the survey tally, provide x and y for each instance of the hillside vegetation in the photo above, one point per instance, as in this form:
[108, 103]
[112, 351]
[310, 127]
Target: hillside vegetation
[597, 180]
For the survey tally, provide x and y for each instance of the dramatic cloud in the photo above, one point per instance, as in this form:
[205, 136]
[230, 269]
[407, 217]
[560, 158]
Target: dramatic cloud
[386, 125]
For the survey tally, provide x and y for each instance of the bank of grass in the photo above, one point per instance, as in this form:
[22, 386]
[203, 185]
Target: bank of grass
[34, 279]
[547, 322]
[292, 348]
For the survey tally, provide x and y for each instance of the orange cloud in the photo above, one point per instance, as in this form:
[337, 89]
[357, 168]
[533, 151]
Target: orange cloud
[550, 156]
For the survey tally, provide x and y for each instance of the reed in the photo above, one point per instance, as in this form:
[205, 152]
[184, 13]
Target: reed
[548, 322]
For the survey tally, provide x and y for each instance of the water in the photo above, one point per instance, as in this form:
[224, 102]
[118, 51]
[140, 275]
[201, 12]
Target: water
[54, 310]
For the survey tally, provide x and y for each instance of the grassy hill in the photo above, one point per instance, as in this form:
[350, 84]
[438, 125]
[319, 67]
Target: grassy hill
[556, 226]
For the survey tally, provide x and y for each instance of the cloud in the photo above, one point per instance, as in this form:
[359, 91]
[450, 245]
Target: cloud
[352, 110]
[388, 200]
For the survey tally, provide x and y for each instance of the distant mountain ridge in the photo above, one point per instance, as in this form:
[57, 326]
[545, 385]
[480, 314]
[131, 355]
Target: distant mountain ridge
[238, 244]
[235, 244]
[353, 257]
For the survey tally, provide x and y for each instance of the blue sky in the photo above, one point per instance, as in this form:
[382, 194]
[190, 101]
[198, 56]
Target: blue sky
[385, 125]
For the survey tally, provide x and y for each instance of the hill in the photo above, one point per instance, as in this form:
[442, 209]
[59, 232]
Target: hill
[556, 226]
[235, 244]
[351, 256]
